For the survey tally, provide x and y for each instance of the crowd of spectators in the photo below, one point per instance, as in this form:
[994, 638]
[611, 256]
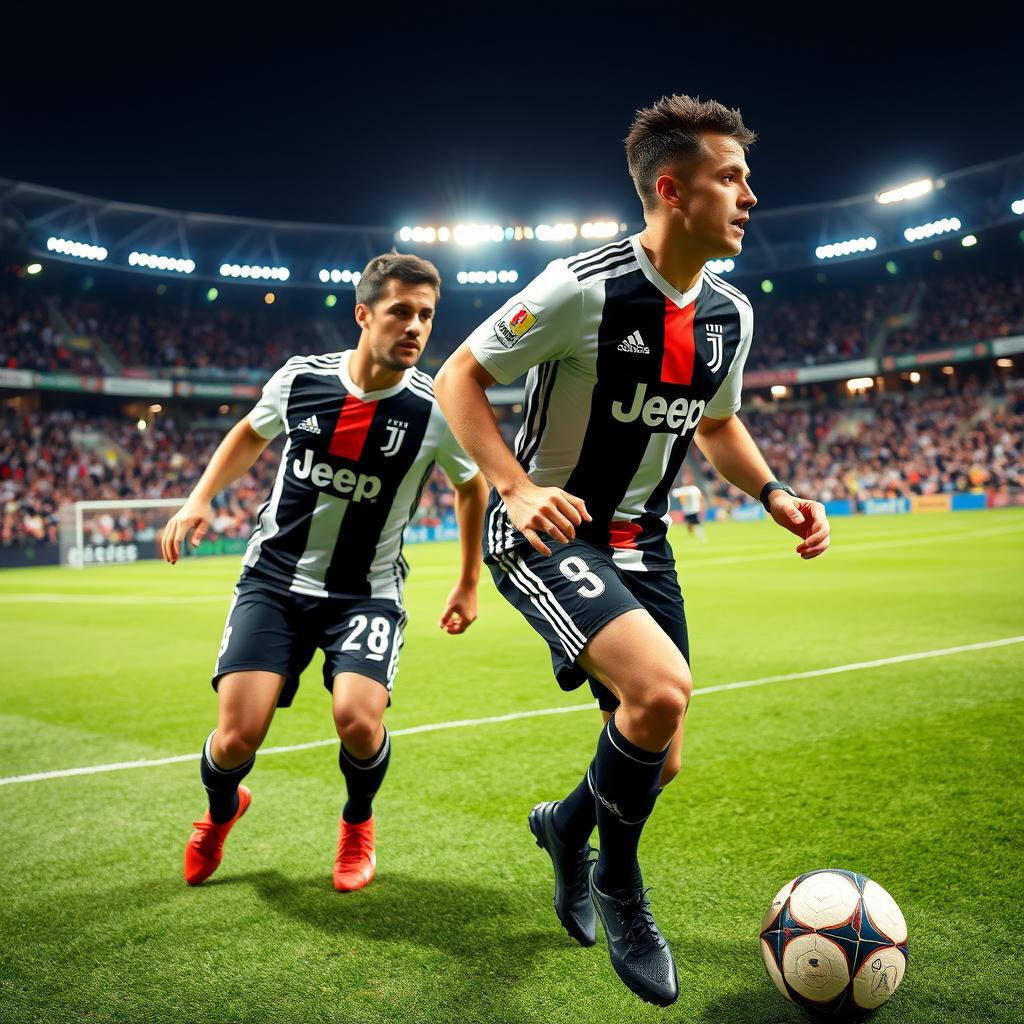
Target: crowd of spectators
[967, 306]
[894, 446]
[52, 460]
[827, 325]
[879, 446]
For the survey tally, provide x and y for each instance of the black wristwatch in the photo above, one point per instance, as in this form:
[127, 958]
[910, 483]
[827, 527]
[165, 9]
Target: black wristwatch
[774, 485]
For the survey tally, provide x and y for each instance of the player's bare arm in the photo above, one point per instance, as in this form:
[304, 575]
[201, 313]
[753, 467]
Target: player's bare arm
[241, 447]
[728, 446]
[460, 610]
[460, 388]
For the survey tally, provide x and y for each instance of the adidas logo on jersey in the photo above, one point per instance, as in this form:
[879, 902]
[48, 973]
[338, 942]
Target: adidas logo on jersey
[634, 343]
[310, 424]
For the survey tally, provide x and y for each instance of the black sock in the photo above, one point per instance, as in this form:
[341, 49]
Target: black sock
[576, 815]
[222, 784]
[626, 780]
[363, 779]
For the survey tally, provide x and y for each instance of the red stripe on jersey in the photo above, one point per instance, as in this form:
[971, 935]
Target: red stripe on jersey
[353, 426]
[623, 534]
[677, 361]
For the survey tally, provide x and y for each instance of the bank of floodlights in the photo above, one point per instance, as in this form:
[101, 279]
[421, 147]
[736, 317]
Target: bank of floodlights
[336, 276]
[154, 262]
[80, 250]
[479, 234]
[912, 190]
[936, 227]
[846, 248]
[1017, 207]
[721, 266]
[487, 276]
[254, 273]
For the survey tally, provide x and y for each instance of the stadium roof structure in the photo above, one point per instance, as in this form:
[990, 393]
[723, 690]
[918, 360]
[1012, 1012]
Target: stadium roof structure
[54, 224]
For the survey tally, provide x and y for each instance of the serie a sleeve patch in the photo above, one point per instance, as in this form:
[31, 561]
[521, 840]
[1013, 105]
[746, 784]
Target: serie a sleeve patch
[515, 323]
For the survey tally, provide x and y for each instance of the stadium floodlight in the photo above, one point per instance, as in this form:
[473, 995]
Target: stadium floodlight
[935, 227]
[915, 377]
[860, 383]
[779, 391]
[155, 262]
[256, 273]
[846, 248]
[1005, 363]
[338, 276]
[968, 240]
[34, 268]
[1017, 207]
[912, 190]
[599, 228]
[721, 266]
[80, 250]
[555, 232]
[487, 276]
[475, 234]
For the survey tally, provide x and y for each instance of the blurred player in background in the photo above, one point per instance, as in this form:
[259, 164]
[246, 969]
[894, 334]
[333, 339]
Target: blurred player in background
[691, 502]
[324, 566]
[632, 350]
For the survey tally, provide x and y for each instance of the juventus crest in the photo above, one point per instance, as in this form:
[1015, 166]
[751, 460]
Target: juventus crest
[396, 435]
[714, 332]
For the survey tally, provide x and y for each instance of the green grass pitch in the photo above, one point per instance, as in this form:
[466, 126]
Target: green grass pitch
[908, 771]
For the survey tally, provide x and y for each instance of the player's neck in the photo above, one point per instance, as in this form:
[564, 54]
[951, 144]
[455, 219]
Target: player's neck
[369, 375]
[670, 255]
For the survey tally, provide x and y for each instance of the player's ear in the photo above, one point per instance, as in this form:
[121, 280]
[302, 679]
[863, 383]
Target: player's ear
[668, 189]
[362, 314]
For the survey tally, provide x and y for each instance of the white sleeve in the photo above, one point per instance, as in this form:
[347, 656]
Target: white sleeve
[454, 461]
[269, 416]
[726, 400]
[540, 323]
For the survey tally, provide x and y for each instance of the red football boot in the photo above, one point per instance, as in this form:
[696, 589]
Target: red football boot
[356, 863]
[205, 846]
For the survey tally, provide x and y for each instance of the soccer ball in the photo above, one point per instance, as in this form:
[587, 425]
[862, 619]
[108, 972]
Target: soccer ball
[834, 941]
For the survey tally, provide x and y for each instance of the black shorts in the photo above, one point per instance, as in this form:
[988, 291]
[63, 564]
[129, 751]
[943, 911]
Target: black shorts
[568, 597]
[271, 631]
[693, 517]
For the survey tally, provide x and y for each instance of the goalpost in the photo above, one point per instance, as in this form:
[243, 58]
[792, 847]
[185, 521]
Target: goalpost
[113, 532]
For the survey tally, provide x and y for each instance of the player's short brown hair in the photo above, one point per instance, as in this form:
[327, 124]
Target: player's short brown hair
[670, 131]
[400, 267]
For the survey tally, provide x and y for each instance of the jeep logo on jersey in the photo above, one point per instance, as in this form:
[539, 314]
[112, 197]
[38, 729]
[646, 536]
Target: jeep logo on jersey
[344, 481]
[681, 415]
[514, 324]
[396, 435]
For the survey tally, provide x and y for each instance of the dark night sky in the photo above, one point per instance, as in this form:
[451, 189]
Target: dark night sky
[421, 116]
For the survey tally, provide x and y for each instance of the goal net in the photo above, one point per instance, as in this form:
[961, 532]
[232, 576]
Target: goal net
[112, 532]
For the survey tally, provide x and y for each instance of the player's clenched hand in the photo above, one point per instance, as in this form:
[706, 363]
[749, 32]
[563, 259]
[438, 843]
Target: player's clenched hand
[535, 510]
[803, 517]
[196, 516]
[459, 610]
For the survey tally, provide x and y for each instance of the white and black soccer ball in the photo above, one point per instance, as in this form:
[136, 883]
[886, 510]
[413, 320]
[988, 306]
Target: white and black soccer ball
[834, 941]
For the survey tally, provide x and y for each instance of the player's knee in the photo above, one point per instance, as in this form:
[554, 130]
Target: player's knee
[668, 699]
[356, 728]
[238, 743]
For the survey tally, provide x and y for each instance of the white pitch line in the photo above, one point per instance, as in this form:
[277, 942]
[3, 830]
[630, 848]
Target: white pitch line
[48, 598]
[464, 723]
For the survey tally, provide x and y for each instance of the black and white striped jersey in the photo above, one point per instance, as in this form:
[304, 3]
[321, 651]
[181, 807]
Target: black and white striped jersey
[621, 368]
[350, 477]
